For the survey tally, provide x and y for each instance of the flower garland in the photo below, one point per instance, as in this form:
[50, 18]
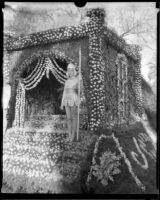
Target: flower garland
[34, 73]
[44, 65]
[18, 97]
[138, 182]
[144, 138]
[56, 70]
[138, 88]
[33, 82]
[55, 54]
[59, 68]
[6, 65]
[69, 32]
[122, 89]
[45, 37]
[120, 44]
[94, 156]
[20, 105]
[134, 155]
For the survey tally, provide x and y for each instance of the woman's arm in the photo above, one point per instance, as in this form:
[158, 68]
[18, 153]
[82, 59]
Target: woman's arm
[77, 86]
[61, 107]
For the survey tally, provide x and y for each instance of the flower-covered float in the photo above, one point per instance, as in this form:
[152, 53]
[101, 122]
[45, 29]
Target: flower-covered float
[37, 157]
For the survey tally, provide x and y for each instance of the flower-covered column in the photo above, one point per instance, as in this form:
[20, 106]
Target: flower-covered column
[138, 87]
[11, 110]
[20, 105]
[96, 69]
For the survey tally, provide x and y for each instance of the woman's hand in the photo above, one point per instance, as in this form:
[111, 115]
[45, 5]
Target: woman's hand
[61, 107]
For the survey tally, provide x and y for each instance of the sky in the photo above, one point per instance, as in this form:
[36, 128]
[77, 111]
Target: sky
[111, 9]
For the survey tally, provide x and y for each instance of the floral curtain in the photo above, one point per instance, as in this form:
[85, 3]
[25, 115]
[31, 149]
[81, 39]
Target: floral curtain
[43, 67]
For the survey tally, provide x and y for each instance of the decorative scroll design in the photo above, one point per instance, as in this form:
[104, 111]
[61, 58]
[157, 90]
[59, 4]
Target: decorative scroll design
[134, 155]
[136, 179]
[140, 144]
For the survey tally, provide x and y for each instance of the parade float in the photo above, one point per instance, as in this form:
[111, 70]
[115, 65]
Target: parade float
[37, 158]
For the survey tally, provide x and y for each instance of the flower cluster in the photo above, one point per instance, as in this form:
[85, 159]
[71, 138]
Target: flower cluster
[98, 13]
[33, 154]
[107, 167]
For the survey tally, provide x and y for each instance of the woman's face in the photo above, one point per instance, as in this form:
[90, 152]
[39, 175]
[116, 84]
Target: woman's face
[71, 72]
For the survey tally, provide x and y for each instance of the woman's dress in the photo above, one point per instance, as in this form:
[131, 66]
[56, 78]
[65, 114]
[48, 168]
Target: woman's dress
[70, 93]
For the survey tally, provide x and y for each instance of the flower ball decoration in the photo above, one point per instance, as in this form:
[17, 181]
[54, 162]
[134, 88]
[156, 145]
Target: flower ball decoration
[98, 13]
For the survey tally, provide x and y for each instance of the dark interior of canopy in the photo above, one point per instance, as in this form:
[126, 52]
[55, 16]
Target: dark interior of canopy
[45, 98]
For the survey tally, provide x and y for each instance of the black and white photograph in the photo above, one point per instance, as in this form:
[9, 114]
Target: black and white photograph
[79, 98]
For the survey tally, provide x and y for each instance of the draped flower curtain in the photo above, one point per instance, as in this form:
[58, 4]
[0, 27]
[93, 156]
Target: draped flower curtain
[44, 66]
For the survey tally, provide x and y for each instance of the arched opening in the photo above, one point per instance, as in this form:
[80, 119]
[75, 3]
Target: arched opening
[45, 98]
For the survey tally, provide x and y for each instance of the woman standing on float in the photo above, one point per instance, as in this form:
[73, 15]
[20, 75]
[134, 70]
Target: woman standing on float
[70, 100]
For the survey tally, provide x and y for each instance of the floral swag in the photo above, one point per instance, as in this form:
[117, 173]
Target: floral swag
[43, 67]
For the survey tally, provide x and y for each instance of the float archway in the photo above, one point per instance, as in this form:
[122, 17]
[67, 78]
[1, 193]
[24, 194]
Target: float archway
[46, 62]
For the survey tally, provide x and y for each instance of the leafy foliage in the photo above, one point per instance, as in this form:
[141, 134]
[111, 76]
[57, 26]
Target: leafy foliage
[107, 168]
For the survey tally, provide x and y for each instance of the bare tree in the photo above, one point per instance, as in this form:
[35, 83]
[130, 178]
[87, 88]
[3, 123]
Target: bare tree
[137, 23]
[26, 20]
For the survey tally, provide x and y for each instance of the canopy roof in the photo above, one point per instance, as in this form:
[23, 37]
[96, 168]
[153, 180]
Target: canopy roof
[71, 32]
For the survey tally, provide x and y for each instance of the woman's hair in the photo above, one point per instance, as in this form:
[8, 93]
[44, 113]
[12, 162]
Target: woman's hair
[71, 65]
